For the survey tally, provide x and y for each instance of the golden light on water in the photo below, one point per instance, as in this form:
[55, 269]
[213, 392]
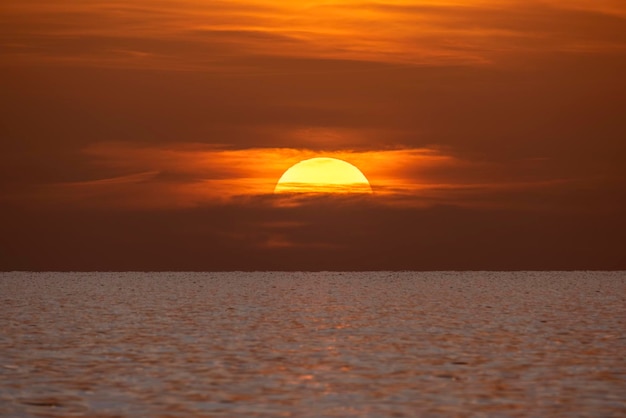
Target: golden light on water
[323, 175]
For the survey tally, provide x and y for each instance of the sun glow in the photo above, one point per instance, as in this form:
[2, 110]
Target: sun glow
[323, 175]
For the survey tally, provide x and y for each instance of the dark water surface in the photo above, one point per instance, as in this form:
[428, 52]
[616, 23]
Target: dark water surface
[312, 344]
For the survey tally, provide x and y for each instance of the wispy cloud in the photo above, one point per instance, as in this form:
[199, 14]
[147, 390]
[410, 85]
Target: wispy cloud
[230, 36]
[194, 175]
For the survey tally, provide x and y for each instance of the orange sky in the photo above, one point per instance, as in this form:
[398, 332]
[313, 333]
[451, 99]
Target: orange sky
[493, 131]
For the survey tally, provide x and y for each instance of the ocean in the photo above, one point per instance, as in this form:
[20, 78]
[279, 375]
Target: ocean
[322, 344]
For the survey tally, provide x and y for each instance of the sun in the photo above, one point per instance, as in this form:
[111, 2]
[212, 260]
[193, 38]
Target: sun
[323, 175]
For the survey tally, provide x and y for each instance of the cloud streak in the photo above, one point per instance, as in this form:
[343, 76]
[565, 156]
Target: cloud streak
[197, 175]
[227, 36]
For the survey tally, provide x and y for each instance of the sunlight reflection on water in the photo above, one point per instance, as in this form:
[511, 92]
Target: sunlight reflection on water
[312, 344]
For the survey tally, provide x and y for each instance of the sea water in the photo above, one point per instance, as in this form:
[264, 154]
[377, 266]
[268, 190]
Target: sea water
[313, 344]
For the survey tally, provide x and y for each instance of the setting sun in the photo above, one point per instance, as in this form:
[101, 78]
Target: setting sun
[323, 175]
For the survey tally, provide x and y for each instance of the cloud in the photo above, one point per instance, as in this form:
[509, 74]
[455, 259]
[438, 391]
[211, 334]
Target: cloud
[180, 175]
[224, 36]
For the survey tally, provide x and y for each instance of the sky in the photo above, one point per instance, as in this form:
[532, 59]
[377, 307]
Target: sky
[149, 135]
